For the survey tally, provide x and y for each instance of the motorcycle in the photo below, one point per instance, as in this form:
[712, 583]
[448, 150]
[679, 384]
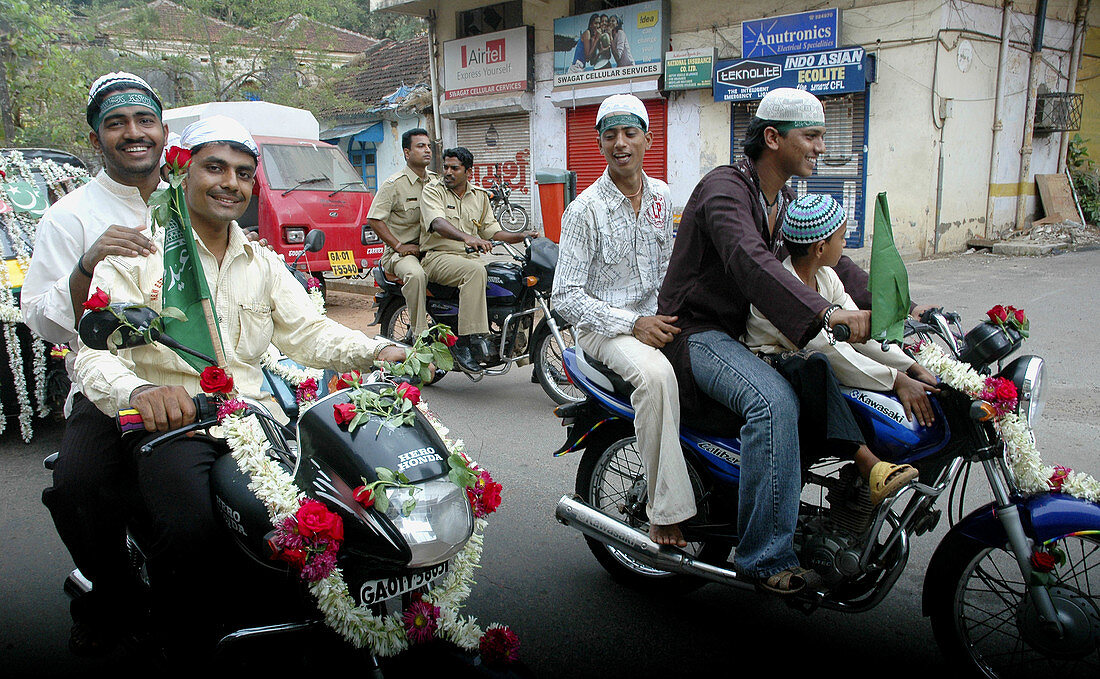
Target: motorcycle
[394, 549]
[517, 291]
[992, 607]
[512, 218]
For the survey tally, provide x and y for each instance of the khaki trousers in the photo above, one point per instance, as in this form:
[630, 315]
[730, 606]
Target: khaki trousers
[467, 273]
[415, 285]
[656, 402]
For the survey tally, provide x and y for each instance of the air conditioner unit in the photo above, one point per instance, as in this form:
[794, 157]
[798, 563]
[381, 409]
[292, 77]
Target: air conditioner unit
[1058, 111]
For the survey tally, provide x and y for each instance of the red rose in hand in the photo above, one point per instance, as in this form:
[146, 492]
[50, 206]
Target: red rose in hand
[998, 314]
[215, 380]
[364, 496]
[409, 392]
[98, 301]
[314, 518]
[178, 158]
[1043, 562]
[343, 412]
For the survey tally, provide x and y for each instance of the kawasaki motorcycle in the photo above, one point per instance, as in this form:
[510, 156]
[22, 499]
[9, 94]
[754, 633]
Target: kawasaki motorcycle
[1013, 587]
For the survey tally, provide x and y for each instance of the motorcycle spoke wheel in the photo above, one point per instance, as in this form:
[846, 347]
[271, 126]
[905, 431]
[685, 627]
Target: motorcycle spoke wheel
[396, 325]
[549, 366]
[513, 218]
[999, 627]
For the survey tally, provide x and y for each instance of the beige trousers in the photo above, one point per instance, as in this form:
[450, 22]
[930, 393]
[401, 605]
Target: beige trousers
[656, 404]
[467, 273]
[415, 285]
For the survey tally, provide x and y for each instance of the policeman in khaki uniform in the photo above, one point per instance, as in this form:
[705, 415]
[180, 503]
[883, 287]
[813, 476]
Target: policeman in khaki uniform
[456, 215]
[395, 217]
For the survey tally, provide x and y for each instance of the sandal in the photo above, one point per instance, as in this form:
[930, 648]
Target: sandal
[791, 581]
[887, 478]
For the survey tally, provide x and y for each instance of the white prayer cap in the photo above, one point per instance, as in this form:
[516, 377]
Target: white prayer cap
[172, 140]
[115, 78]
[796, 107]
[618, 105]
[217, 129]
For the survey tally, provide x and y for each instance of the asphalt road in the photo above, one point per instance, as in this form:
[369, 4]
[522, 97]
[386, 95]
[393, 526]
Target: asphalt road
[539, 578]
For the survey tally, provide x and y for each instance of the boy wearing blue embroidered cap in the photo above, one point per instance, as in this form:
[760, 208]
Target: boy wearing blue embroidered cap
[813, 231]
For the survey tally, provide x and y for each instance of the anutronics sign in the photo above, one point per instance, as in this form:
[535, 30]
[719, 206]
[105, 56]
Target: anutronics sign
[791, 33]
[820, 73]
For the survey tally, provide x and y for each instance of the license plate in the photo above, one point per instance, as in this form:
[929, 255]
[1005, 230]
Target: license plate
[343, 263]
[377, 591]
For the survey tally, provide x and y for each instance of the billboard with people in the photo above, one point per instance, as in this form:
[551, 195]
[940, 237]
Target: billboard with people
[612, 44]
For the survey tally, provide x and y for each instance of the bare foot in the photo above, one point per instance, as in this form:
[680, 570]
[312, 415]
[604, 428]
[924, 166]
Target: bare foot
[667, 535]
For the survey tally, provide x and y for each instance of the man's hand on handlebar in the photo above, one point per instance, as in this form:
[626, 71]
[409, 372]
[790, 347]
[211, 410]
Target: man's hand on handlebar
[163, 408]
[858, 322]
[656, 331]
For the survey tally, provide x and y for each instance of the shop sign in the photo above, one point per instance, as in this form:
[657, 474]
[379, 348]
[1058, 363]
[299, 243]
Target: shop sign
[791, 33]
[820, 73]
[688, 69]
[489, 64]
[613, 44]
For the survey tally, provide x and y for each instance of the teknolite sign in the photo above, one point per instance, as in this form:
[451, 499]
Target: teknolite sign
[820, 73]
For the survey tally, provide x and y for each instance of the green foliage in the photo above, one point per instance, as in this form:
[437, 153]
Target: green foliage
[1086, 179]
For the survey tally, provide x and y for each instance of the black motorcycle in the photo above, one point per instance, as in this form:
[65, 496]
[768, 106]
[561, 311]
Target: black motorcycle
[522, 326]
[512, 218]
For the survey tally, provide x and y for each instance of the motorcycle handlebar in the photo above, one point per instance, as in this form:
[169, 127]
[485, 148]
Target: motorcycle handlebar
[129, 421]
[841, 332]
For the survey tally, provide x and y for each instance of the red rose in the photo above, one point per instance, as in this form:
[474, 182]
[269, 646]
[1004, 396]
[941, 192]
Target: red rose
[1043, 562]
[314, 518]
[364, 496]
[998, 314]
[449, 339]
[99, 301]
[1006, 390]
[344, 381]
[409, 392]
[215, 380]
[343, 412]
[294, 557]
[178, 158]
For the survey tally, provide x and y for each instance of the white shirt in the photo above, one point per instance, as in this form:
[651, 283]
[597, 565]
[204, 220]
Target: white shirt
[863, 365]
[258, 302]
[611, 262]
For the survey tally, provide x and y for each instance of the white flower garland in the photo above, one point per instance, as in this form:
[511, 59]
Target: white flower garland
[290, 374]
[318, 300]
[1032, 476]
[384, 635]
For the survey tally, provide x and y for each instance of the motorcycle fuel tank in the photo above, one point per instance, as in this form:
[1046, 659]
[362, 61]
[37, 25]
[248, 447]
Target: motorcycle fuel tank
[889, 432]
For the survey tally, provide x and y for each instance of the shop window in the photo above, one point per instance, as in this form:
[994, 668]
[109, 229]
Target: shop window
[490, 19]
[363, 160]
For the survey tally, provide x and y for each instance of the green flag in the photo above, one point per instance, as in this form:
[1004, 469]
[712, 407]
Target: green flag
[889, 282]
[185, 288]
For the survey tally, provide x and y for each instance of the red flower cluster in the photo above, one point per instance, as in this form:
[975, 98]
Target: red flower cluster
[1058, 478]
[1009, 316]
[1001, 394]
[177, 158]
[98, 301]
[306, 391]
[484, 495]
[215, 380]
[499, 646]
[421, 620]
[310, 540]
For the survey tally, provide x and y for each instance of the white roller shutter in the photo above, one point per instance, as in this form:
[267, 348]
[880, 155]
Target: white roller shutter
[501, 144]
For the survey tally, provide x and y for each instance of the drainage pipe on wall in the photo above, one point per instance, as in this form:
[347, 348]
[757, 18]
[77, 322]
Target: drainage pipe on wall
[998, 108]
[1079, 29]
[1029, 116]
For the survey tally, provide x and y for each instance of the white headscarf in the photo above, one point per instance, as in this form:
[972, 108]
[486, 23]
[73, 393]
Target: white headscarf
[217, 128]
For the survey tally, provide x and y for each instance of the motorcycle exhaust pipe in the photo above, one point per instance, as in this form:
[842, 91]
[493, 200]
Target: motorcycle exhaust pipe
[572, 512]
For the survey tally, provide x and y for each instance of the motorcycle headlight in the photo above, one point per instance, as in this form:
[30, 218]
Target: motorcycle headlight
[1026, 372]
[436, 520]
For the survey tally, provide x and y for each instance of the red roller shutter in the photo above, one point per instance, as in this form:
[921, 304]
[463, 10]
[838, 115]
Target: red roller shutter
[583, 151]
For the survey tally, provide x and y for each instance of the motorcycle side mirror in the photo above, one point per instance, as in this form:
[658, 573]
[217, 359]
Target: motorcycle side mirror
[315, 241]
[96, 328]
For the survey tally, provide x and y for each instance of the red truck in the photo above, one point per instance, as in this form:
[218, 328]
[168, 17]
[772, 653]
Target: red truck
[302, 184]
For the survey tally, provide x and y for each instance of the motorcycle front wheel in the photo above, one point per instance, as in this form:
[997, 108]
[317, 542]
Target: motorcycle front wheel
[983, 616]
[549, 367]
[611, 478]
[513, 218]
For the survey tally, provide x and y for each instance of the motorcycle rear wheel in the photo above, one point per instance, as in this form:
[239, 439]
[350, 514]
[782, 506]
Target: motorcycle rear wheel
[512, 218]
[982, 617]
[549, 367]
[611, 478]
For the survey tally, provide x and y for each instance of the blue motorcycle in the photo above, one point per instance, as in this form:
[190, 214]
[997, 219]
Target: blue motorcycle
[992, 607]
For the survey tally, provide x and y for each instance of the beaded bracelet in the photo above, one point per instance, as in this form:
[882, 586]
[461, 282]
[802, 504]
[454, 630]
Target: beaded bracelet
[825, 323]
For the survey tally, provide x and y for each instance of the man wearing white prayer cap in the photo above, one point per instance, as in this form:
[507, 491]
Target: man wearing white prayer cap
[257, 302]
[728, 255]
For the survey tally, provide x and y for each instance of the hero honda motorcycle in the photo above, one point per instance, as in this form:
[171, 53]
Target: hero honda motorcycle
[988, 609]
[387, 557]
[516, 292]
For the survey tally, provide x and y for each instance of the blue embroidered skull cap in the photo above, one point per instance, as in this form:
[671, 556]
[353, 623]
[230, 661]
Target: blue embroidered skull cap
[812, 217]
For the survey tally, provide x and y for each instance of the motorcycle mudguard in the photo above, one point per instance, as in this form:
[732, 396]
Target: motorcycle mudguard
[1046, 517]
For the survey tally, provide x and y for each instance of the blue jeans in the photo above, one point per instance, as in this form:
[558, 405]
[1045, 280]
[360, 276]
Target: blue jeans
[728, 372]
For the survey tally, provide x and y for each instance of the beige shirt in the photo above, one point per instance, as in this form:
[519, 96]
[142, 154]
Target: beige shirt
[470, 213]
[258, 303]
[397, 203]
[863, 365]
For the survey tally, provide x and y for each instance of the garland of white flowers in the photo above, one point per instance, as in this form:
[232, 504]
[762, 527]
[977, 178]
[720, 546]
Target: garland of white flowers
[21, 227]
[290, 374]
[313, 287]
[385, 635]
[1022, 454]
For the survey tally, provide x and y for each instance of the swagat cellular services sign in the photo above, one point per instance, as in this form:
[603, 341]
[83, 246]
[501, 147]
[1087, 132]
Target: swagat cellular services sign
[820, 73]
[791, 33]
